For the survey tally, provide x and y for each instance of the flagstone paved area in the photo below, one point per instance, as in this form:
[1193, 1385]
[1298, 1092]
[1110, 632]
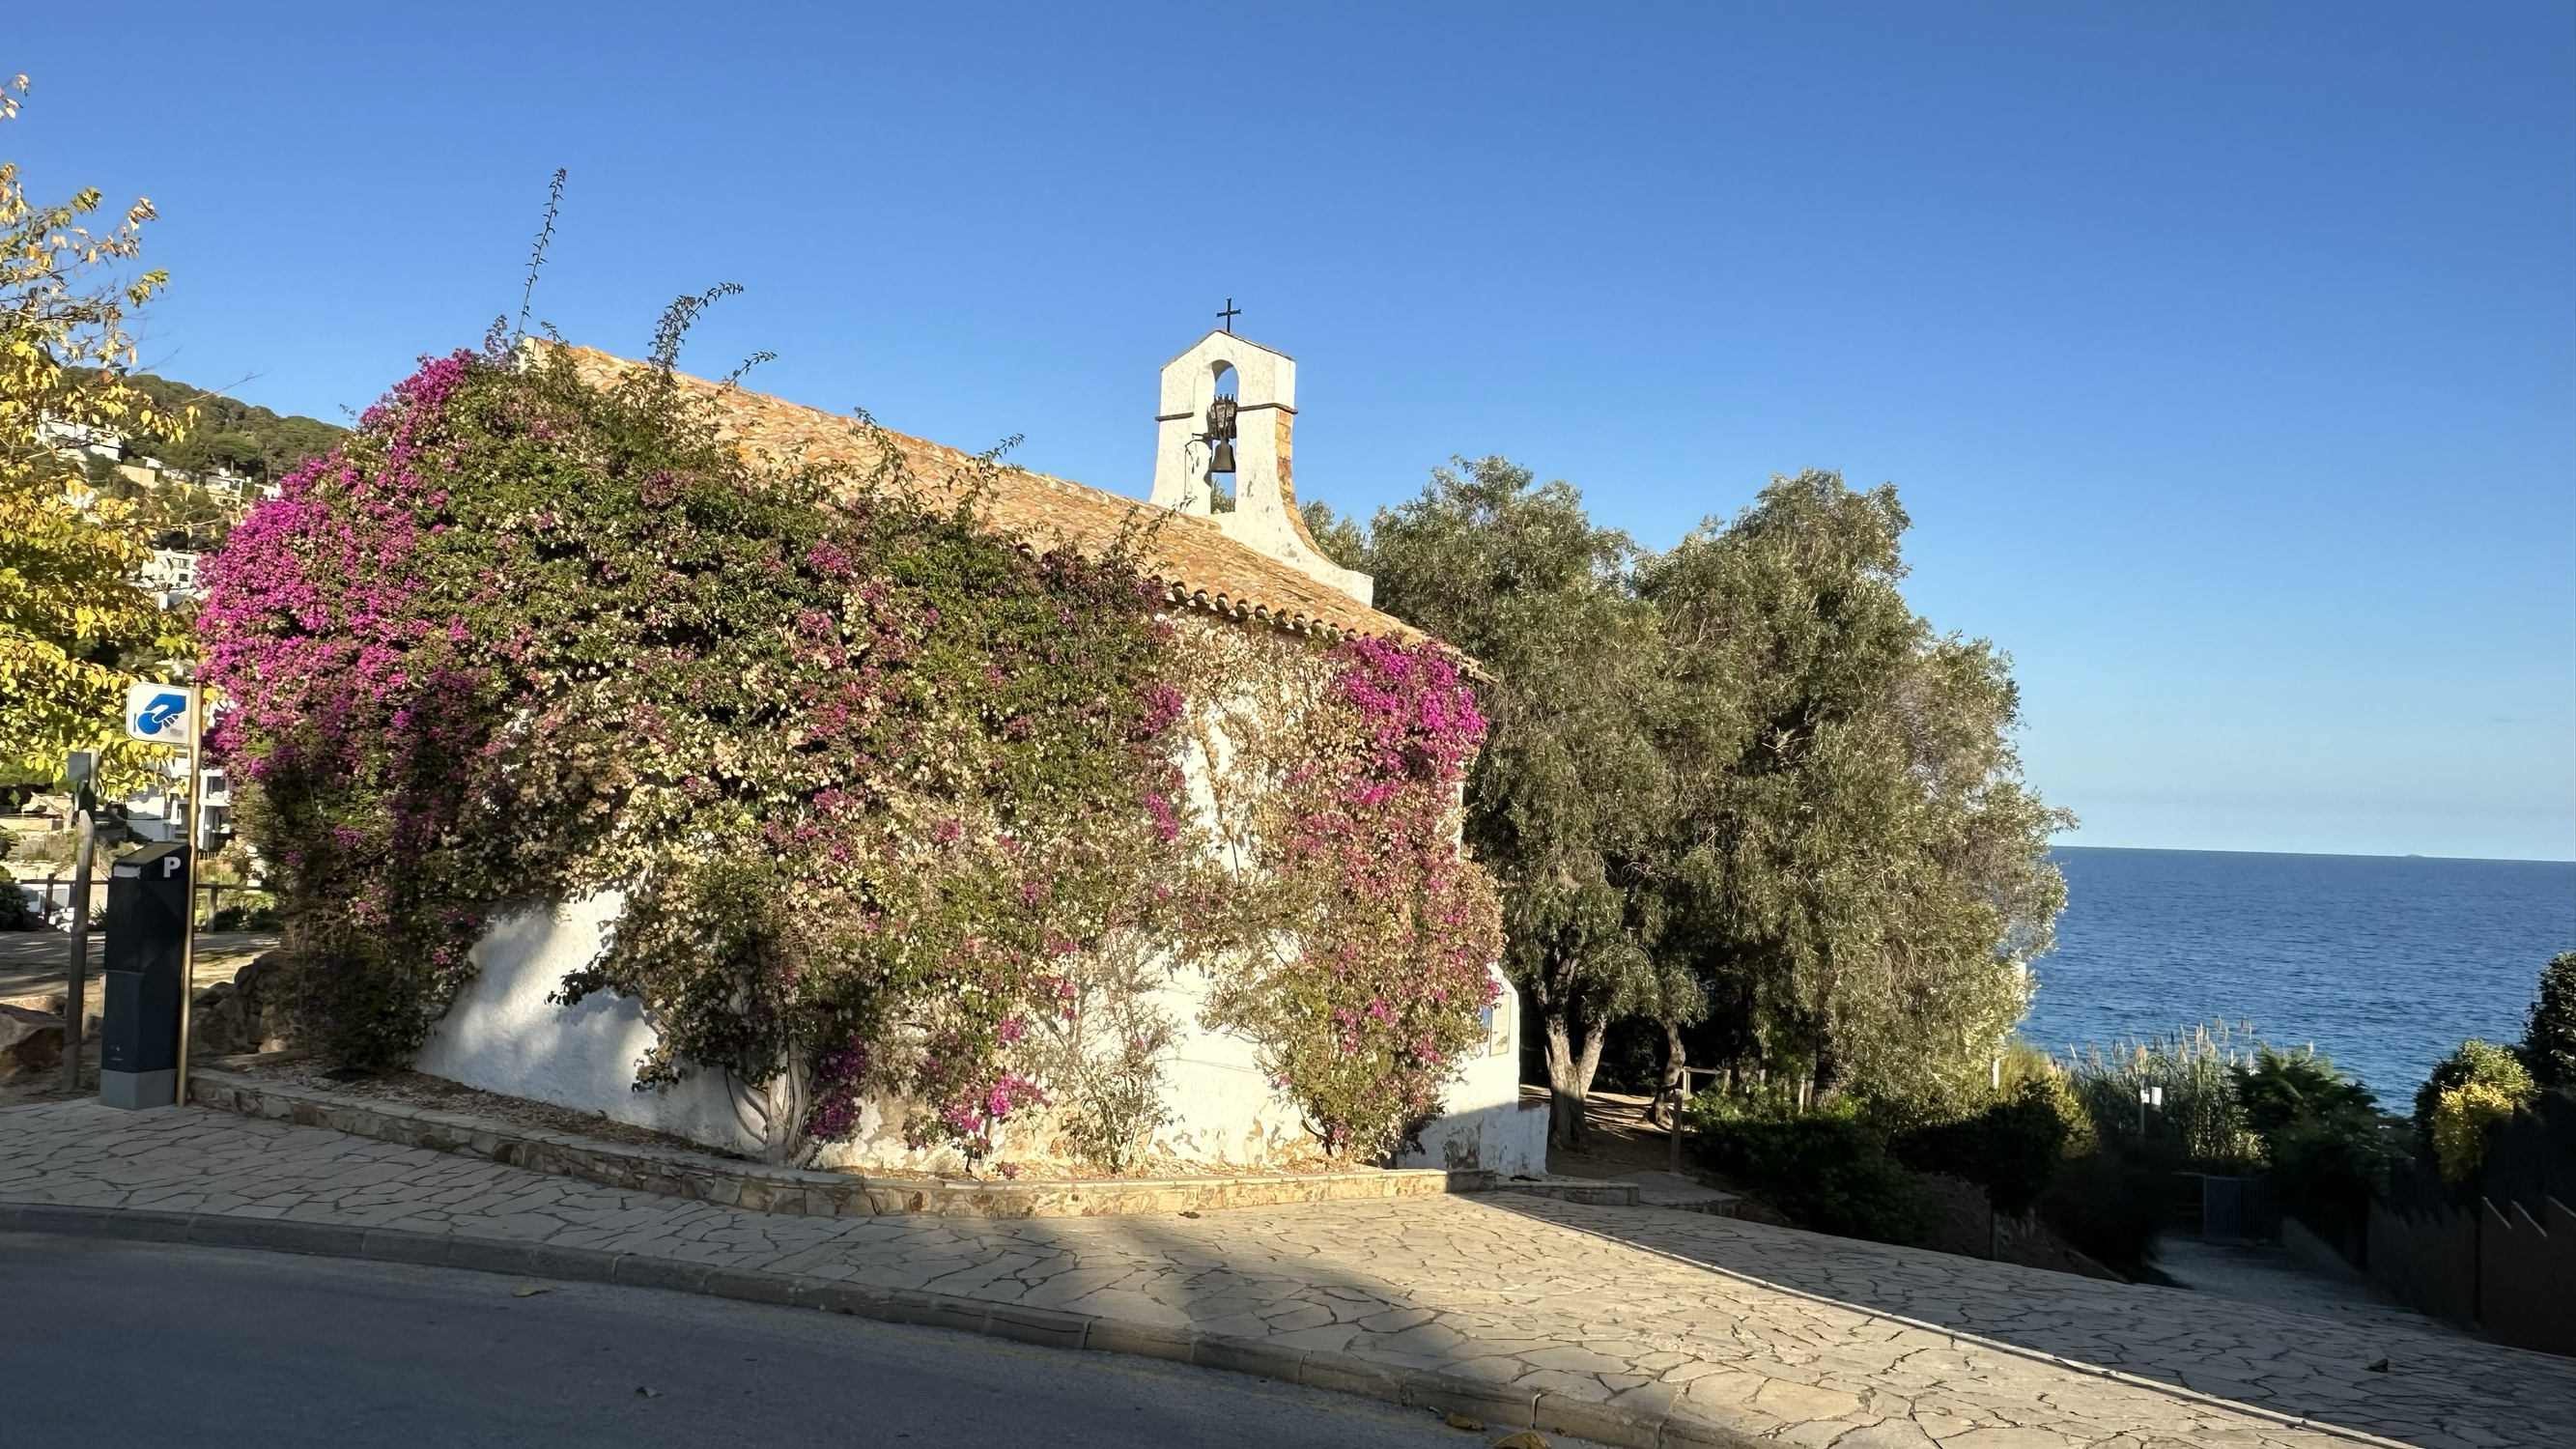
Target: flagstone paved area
[1769, 1332]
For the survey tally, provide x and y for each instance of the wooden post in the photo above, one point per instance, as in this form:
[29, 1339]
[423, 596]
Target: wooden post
[1679, 1095]
[188, 915]
[76, 986]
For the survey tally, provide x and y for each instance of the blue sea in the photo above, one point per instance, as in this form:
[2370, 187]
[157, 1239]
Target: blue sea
[2384, 962]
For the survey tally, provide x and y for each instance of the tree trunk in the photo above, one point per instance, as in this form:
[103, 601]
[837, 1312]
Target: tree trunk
[1676, 1080]
[778, 1107]
[1569, 1078]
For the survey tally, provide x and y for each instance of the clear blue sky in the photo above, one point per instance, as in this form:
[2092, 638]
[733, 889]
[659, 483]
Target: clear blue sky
[2225, 354]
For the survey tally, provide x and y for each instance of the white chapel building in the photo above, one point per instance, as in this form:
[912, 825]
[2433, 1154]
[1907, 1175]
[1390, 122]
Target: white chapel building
[1251, 566]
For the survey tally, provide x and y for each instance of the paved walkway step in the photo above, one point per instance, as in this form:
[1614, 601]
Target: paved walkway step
[1682, 1194]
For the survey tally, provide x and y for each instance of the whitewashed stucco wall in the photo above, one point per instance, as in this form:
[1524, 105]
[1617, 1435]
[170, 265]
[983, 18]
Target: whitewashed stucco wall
[504, 1035]
[1484, 1124]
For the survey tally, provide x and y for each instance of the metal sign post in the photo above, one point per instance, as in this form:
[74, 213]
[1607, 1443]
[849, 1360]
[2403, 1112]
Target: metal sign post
[170, 714]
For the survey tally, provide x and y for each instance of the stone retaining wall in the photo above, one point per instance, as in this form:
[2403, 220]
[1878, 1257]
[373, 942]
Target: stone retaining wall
[708, 1178]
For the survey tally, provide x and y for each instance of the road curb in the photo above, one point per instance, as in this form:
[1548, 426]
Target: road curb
[1498, 1405]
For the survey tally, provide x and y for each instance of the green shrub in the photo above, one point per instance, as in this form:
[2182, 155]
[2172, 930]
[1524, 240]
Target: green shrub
[2469, 1094]
[2549, 1038]
[2011, 1149]
[2465, 1122]
[1825, 1170]
[2329, 1145]
[241, 918]
[2276, 1089]
[2111, 1204]
[2475, 1060]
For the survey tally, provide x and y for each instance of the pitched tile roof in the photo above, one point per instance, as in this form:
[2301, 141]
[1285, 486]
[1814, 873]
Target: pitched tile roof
[1189, 555]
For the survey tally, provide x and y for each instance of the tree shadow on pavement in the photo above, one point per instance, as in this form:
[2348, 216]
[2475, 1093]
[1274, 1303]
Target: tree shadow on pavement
[2437, 1382]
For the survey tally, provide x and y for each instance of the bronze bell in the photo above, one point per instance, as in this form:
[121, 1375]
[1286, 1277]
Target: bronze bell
[1220, 436]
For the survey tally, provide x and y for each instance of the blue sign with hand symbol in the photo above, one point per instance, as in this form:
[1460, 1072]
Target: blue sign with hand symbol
[163, 710]
[158, 713]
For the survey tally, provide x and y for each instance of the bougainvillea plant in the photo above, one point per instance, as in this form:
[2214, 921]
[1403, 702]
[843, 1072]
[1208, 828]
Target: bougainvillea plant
[880, 786]
[865, 769]
[1351, 938]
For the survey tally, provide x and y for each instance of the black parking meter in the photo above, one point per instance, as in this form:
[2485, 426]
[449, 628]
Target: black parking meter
[147, 939]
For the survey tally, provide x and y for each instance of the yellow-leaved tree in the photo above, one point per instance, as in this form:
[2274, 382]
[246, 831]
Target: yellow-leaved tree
[72, 623]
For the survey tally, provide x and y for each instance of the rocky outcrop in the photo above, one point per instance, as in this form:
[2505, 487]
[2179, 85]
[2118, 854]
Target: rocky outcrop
[30, 1041]
[256, 1011]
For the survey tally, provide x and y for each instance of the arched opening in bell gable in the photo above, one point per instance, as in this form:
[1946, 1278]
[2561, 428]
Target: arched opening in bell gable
[1219, 428]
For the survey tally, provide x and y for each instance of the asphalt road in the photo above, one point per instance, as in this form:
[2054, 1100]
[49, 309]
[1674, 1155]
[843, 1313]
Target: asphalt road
[114, 1343]
[33, 963]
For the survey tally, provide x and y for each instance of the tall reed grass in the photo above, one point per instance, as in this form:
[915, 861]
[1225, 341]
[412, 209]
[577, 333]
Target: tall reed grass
[2200, 1115]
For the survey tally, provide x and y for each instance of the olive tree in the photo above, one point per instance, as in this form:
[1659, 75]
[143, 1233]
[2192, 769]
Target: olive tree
[1565, 803]
[1855, 864]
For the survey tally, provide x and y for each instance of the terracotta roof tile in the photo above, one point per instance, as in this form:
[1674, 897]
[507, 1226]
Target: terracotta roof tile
[1188, 554]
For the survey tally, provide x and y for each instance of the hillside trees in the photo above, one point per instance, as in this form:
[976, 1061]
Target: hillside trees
[70, 623]
[224, 434]
[229, 434]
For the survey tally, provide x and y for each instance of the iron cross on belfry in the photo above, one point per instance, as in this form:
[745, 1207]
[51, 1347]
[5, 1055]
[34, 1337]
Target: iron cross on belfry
[1228, 315]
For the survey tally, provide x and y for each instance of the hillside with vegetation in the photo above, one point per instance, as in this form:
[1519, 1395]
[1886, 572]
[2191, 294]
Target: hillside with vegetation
[227, 434]
[202, 439]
